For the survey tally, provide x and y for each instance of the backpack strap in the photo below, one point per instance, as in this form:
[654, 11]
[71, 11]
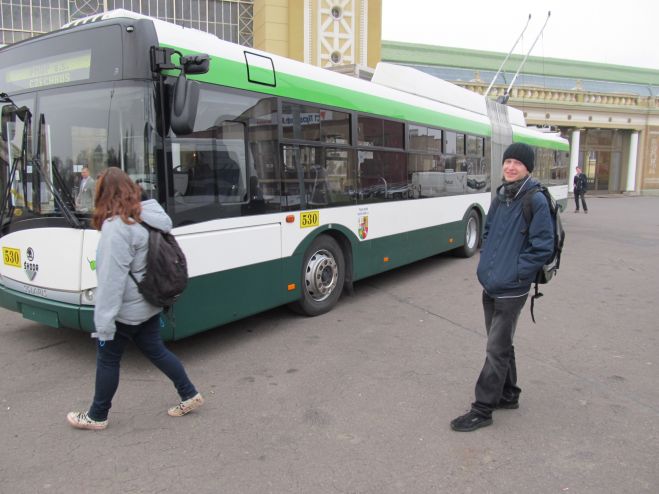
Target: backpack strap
[527, 206]
[533, 297]
[527, 212]
[149, 229]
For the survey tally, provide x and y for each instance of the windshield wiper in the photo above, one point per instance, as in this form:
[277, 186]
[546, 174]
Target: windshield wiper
[9, 112]
[36, 165]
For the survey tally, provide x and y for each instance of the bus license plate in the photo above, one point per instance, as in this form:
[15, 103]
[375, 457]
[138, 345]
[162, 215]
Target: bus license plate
[309, 219]
[11, 257]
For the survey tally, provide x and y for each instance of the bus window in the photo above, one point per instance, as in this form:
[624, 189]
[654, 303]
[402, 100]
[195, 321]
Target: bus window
[329, 178]
[393, 134]
[369, 131]
[435, 141]
[474, 146]
[460, 144]
[382, 176]
[335, 126]
[341, 175]
[418, 136]
[209, 170]
[290, 178]
[300, 122]
[449, 143]
[426, 175]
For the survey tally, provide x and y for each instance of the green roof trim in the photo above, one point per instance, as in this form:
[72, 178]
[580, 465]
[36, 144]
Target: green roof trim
[443, 56]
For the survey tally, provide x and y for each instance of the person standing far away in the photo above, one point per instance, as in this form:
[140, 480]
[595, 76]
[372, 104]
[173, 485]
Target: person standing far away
[121, 314]
[85, 197]
[580, 187]
[511, 255]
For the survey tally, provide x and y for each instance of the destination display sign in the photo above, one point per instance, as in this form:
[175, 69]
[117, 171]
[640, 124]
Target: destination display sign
[49, 71]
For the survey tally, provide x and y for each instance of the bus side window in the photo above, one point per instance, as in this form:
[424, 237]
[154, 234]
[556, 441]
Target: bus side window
[181, 180]
[230, 162]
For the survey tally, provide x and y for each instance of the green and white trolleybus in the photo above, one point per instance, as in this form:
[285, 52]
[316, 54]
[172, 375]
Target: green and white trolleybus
[285, 182]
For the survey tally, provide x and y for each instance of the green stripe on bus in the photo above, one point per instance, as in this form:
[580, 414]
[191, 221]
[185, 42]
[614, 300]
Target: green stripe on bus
[234, 74]
[540, 142]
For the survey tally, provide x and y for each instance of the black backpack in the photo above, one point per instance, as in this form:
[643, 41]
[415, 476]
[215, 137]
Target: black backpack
[550, 268]
[166, 269]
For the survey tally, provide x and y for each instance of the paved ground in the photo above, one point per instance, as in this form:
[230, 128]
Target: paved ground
[359, 400]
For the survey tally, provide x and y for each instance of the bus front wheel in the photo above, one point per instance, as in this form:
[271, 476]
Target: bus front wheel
[472, 236]
[323, 275]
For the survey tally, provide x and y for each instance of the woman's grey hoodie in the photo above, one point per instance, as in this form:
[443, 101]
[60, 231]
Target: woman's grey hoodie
[122, 249]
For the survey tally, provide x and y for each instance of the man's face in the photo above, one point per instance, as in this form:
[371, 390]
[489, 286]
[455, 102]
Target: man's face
[84, 173]
[514, 170]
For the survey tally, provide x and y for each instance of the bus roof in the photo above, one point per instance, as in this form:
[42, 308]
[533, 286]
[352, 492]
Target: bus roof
[396, 91]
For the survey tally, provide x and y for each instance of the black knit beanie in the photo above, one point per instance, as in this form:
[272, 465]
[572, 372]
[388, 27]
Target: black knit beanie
[521, 152]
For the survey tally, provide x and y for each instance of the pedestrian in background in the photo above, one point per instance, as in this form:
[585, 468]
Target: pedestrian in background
[511, 255]
[86, 190]
[580, 187]
[121, 314]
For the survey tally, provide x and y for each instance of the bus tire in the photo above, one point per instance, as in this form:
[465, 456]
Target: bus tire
[323, 277]
[472, 236]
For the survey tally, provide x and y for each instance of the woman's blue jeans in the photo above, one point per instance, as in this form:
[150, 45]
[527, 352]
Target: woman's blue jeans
[108, 359]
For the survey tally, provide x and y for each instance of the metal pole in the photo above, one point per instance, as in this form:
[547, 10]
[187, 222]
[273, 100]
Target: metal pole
[507, 57]
[528, 53]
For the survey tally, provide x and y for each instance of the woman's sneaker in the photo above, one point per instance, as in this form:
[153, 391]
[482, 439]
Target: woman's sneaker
[186, 406]
[81, 420]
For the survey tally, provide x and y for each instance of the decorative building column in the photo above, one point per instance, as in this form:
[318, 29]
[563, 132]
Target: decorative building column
[325, 33]
[574, 155]
[631, 163]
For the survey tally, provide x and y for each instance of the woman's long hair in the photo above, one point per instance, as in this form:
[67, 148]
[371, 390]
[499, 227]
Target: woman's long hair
[116, 195]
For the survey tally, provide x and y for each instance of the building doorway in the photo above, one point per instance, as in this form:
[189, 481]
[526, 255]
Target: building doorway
[600, 159]
[597, 167]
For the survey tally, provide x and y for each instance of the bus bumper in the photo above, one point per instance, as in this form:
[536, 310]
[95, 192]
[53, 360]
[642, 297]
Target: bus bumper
[48, 312]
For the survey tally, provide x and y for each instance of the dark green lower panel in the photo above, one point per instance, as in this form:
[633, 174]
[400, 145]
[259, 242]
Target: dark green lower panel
[215, 299]
[49, 312]
[219, 298]
[405, 248]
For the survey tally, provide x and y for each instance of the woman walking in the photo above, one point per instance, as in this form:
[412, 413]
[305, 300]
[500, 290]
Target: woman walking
[121, 313]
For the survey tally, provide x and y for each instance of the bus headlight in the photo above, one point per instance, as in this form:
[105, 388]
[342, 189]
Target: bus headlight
[89, 295]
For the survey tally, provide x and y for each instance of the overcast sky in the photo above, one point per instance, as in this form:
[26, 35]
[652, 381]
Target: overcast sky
[621, 32]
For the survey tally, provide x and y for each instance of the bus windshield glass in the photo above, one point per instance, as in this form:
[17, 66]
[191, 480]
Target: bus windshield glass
[76, 133]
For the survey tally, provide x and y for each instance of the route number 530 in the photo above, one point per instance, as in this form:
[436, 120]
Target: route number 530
[309, 219]
[11, 257]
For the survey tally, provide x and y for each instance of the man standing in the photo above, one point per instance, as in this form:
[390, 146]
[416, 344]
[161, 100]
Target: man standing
[580, 187]
[511, 255]
[85, 197]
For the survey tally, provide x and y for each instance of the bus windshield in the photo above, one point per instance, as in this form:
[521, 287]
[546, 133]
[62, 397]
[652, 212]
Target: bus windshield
[76, 133]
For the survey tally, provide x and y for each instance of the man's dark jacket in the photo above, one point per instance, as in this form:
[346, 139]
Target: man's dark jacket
[512, 252]
[580, 182]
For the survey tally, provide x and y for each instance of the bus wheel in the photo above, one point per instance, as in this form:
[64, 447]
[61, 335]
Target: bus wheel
[472, 236]
[323, 274]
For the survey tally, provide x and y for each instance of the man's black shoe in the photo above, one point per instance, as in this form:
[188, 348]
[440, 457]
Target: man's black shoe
[470, 422]
[508, 405]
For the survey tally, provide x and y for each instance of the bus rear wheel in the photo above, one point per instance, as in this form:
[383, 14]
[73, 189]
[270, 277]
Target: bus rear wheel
[472, 237]
[323, 275]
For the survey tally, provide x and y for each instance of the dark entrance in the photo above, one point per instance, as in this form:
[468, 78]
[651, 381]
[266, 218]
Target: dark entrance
[600, 158]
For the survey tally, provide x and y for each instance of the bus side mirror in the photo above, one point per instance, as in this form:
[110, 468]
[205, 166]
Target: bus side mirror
[195, 64]
[8, 117]
[184, 105]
